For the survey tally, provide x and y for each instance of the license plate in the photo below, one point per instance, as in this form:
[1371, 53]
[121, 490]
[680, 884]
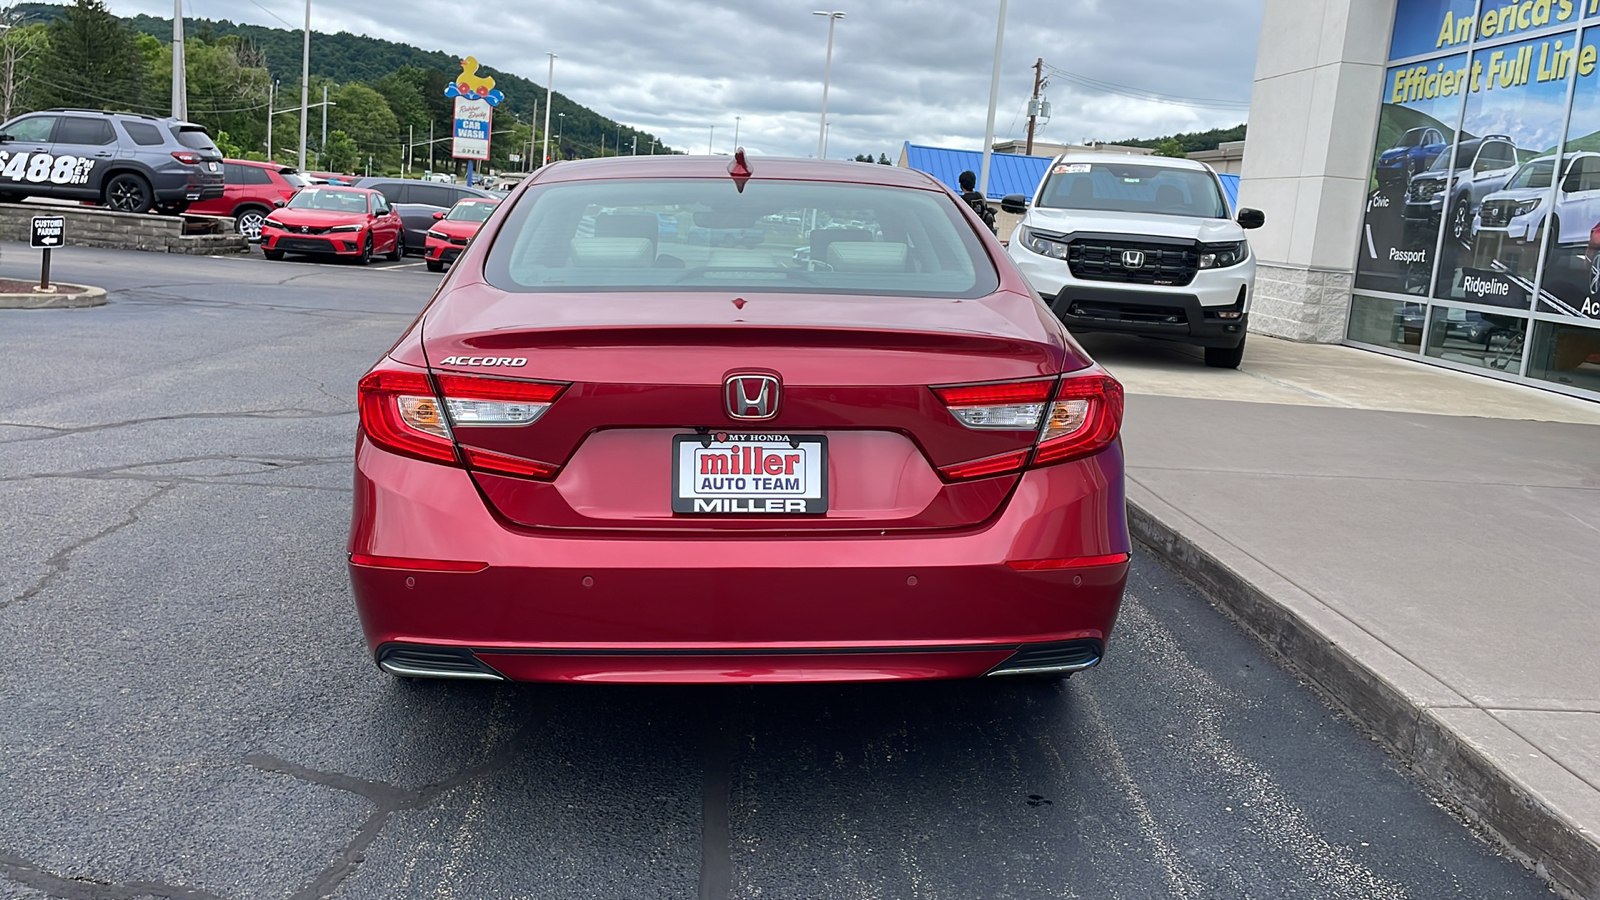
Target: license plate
[763, 474]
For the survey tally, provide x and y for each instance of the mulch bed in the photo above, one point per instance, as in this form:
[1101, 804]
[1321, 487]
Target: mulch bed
[13, 286]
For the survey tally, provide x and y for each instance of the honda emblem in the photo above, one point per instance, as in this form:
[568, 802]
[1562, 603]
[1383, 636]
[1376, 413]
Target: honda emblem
[751, 396]
[1133, 259]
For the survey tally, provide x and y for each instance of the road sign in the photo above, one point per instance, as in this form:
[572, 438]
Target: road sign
[48, 231]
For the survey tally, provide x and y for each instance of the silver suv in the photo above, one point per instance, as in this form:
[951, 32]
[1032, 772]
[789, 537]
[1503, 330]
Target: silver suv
[128, 162]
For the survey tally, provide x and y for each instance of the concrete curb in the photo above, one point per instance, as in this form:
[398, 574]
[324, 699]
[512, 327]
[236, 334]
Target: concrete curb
[80, 296]
[1454, 747]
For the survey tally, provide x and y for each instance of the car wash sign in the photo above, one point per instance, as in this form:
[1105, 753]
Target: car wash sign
[476, 98]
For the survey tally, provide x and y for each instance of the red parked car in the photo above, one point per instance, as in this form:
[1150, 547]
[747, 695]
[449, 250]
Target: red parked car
[338, 221]
[453, 230]
[252, 190]
[606, 453]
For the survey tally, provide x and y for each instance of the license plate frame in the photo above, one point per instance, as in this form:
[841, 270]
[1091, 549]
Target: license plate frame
[781, 458]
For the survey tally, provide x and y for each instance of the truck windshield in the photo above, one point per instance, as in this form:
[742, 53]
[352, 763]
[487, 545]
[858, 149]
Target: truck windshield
[1133, 188]
[1535, 174]
[812, 237]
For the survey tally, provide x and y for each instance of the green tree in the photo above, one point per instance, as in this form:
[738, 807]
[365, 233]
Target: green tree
[94, 60]
[364, 115]
[342, 153]
[22, 48]
[883, 160]
[1170, 147]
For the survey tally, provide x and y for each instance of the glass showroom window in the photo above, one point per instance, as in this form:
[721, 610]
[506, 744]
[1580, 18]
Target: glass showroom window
[1484, 193]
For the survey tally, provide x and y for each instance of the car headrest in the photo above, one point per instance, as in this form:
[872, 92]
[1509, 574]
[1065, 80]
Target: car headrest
[867, 256]
[613, 253]
[638, 225]
[822, 237]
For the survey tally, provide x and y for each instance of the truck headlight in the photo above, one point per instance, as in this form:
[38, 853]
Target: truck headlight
[1221, 256]
[1525, 207]
[1049, 245]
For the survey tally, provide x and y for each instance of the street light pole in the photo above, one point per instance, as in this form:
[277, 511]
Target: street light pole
[305, 86]
[180, 79]
[711, 141]
[827, 72]
[994, 100]
[549, 92]
[736, 132]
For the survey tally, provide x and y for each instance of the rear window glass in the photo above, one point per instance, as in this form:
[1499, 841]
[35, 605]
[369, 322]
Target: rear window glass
[294, 178]
[143, 133]
[194, 137]
[431, 195]
[774, 236]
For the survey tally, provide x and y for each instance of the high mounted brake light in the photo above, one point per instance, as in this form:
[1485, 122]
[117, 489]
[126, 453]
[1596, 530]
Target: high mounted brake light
[401, 413]
[1083, 418]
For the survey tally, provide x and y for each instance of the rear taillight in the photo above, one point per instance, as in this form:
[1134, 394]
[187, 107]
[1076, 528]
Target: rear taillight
[1013, 406]
[190, 159]
[493, 401]
[401, 413]
[1083, 418]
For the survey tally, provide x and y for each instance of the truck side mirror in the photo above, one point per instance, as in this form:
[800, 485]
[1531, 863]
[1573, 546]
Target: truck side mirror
[1251, 218]
[1014, 203]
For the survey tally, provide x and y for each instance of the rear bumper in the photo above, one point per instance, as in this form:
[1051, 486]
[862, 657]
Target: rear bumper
[592, 606]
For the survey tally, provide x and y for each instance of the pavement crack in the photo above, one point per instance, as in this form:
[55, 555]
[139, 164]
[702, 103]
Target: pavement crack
[132, 470]
[37, 877]
[387, 799]
[285, 413]
[57, 564]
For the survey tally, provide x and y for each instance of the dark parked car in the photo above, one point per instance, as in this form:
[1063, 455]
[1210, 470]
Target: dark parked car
[417, 201]
[1416, 150]
[129, 162]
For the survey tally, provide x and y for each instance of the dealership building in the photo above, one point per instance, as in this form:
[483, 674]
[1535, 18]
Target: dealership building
[1430, 171]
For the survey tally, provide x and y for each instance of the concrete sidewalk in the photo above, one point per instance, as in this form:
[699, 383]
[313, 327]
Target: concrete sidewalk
[1422, 545]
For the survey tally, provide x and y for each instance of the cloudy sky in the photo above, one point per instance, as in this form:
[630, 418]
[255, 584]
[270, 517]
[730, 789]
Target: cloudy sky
[913, 70]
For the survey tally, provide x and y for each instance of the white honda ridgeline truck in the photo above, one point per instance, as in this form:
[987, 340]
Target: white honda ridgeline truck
[1139, 245]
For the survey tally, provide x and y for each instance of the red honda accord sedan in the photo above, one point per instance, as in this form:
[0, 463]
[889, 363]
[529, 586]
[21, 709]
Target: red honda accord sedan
[851, 445]
[453, 230]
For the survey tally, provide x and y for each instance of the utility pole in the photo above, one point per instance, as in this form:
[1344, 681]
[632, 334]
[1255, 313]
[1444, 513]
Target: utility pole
[994, 100]
[180, 83]
[636, 145]
[411, 148]
[272, 113]
[828, 71]
[711, 141]
[322, 148]
[549, 95]
[305, 86]
[1033, 105]
[736, 132]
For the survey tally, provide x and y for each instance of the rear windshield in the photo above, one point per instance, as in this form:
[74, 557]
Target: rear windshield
[774, 236]
[334, 201]
[1133, 188]
[194, 137]
[295, 178]
[472, 211]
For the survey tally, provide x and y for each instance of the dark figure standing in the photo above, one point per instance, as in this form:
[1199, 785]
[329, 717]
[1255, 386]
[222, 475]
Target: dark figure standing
[979, 205]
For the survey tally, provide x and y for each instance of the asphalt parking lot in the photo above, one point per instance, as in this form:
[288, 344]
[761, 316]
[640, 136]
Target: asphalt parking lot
[190, 711]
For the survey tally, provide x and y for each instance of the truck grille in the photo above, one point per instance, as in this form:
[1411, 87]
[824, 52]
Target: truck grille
[1093, 259]
[1497, 213]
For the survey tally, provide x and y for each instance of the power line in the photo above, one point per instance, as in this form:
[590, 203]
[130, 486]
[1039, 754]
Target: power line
[1134, 93]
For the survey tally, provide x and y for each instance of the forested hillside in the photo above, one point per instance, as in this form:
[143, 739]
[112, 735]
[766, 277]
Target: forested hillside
[83, 56]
